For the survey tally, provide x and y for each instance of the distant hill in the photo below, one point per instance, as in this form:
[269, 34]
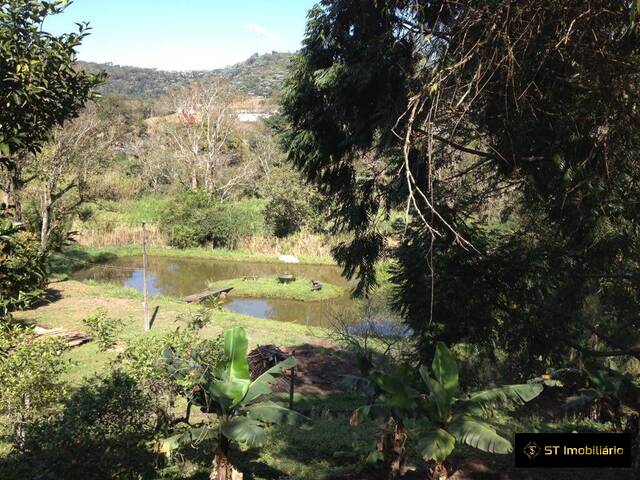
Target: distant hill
[260, 75]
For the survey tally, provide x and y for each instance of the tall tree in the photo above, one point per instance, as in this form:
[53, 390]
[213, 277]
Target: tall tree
[202, 130]
[444, 108]
[63, 168]
[40, 87]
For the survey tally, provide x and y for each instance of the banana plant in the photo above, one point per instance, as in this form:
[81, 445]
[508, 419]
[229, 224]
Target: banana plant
[609, 395]
[444, 415]
[227, 392]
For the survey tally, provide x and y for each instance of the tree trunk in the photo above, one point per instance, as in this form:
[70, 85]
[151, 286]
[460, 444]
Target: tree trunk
[194, 175]
[11, 197]
[20, 426]
[222, 467]
[208, 177]
[393, 449]
[439, 472]
[45, 232]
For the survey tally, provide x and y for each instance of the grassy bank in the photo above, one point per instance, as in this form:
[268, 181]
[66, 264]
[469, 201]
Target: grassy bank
[111, 223]
[300, 289]
[73, 301]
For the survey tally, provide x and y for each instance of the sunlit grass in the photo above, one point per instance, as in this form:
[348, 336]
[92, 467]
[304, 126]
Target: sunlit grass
[271, 287]
[79, 300]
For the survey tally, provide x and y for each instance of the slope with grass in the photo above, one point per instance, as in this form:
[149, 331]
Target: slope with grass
[71, 301]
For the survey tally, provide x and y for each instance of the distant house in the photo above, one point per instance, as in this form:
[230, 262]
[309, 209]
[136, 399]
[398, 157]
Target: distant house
[248, 116]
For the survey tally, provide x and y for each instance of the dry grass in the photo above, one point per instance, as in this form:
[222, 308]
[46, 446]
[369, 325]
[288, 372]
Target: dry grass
[120, 235]
[300, 244]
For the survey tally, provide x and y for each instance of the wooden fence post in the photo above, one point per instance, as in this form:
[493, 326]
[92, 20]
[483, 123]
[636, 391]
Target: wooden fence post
[147, 324]
[292, 383]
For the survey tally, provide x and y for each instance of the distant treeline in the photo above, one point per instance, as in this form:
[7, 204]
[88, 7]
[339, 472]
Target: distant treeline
[258, 75]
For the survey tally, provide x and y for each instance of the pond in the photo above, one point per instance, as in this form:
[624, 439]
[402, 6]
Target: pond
[180, 276]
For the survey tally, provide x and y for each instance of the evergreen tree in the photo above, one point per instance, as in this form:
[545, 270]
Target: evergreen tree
[463, 112]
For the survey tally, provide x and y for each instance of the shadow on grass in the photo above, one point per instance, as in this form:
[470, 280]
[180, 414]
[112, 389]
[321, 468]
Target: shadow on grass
[62, 264]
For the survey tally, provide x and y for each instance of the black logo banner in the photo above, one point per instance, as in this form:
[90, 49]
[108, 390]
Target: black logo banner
[574, 450]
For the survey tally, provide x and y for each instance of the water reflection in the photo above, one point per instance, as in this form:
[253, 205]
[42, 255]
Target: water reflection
[183, 276]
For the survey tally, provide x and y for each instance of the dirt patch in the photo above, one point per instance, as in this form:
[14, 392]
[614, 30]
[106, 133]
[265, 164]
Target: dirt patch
[320, 368]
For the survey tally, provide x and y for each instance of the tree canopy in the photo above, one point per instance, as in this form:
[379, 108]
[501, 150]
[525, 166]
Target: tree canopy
[40, 86]
[508, 132]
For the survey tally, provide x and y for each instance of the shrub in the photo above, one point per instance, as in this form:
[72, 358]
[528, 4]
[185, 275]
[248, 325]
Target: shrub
[22, 264]
[31, 371]
[85, 213]
[292, 204]
[104, 329]
[194, 219]
[142, 358]
[196, 320]
[101, 432]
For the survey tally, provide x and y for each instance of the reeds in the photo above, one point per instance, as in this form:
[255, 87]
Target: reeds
[118, 235]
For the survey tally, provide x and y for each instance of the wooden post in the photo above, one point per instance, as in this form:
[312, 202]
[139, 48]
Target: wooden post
[292, 384]
[147, 324]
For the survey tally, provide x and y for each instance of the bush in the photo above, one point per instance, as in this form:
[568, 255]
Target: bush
[197, 320]
[22, 264]
[104, 329]
[194, 219]
[102, 432]
[292, 204]
[31, 371]
[143, 359]
[85, 213]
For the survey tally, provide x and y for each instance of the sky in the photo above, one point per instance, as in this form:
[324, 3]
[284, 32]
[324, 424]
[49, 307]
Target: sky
[183, 34]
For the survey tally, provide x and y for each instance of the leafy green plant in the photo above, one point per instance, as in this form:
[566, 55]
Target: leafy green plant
[446, 416]
[610, 395]
[22, 264]
[228, 393]
[31, 370]
[104, 329]
[292, 204]
[197, 320]
[109, 413]
[194, 219]
[40, 87]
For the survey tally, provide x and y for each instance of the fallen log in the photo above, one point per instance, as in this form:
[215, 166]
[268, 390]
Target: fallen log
[198, 297]
[74, 338]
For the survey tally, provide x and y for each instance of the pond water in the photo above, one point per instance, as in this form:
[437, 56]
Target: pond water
[178, 276]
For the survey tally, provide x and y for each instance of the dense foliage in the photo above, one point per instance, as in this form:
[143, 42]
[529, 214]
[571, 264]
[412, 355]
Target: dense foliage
[22, 267]
[291, 204]
[31, 370]
[448, 416]
[420, 106]
[40, 87]
[195, 219]
[237, 401]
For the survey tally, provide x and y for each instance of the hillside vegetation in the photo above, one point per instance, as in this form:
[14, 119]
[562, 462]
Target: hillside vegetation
[259, 75]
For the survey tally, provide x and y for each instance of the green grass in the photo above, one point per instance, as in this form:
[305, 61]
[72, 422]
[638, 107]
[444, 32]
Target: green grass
[300, 289]
[79, 300]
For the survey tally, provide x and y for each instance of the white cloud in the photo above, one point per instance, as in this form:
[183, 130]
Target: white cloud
[262, 31]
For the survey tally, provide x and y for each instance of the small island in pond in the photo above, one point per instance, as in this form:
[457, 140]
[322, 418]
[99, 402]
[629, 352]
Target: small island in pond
[301, 289]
